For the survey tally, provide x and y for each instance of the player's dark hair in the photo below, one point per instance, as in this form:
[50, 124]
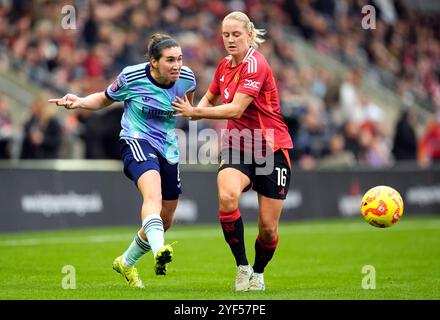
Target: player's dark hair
[157, 43]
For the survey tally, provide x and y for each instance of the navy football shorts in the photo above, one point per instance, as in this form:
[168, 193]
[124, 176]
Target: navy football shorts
[139, 156]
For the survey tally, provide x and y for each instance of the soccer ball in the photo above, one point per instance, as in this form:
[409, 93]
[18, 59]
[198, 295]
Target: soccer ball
[382, 206]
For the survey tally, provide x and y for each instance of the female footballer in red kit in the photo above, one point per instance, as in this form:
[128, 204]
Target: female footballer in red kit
[245, 83]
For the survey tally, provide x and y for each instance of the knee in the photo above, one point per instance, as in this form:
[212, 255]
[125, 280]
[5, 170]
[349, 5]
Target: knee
[228, 200]
[268, 233]
[154, 197]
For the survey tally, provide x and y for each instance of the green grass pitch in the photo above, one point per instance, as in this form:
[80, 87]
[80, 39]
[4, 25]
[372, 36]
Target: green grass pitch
[315, 260]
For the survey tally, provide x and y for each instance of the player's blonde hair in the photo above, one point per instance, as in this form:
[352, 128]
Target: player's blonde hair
[257, 34]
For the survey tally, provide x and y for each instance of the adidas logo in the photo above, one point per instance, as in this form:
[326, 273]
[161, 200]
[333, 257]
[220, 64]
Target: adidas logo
[282, 192]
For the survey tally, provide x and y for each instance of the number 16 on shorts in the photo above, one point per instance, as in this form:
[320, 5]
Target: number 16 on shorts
[281, 176]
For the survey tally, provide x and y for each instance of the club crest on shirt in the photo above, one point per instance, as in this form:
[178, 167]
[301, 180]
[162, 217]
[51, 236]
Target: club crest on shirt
[236, 77]
[116, 85]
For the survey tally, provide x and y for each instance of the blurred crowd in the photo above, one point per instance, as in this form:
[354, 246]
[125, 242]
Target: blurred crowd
[333, 124]
[401, 52]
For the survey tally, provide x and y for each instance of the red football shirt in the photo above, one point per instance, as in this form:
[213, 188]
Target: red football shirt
[262, 118]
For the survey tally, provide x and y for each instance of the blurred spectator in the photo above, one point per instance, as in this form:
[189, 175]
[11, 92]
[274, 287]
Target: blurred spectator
[98, 132]
[338, 157]
[350, 99]
[89, 130]
[111, 127]
[430, 142]
[371, 112]
[350, 131]
[42, 132]
[374, 152]
[6, 129]
[405, 139]
[311, 140]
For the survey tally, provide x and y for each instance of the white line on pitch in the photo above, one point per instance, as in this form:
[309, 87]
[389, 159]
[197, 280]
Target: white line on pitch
[319, 228]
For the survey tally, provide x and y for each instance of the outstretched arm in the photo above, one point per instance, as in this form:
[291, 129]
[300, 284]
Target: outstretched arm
[92, 102]
[232, 110]
[208, 100]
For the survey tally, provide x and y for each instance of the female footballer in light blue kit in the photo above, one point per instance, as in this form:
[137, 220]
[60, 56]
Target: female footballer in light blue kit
[149, 146]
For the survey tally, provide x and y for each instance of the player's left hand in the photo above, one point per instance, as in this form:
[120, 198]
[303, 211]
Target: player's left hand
[184, 108]
[69, 101]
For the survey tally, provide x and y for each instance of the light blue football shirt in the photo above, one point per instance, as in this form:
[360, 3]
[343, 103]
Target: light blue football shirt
[148, 113]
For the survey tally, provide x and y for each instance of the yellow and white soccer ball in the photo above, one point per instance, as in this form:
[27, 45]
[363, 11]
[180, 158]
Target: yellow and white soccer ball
[382, 206]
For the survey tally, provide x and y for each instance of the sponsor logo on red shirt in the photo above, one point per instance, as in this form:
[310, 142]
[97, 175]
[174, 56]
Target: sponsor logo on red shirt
[251, 84]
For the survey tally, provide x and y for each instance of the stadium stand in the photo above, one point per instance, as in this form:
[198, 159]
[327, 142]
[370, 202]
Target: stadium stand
[341, 86]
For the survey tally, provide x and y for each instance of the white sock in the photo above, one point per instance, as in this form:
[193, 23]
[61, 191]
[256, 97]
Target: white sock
[135, 251]
[153, 228]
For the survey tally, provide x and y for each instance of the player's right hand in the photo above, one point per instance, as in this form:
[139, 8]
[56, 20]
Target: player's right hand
[69, 101]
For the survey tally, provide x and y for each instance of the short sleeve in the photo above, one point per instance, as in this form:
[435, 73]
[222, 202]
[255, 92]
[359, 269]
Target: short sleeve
[252, 78]
[193, 86]
[188, 79]
[118, 90]
[214, 87]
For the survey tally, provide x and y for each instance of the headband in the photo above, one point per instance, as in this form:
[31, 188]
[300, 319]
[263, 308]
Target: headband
[163, 41]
